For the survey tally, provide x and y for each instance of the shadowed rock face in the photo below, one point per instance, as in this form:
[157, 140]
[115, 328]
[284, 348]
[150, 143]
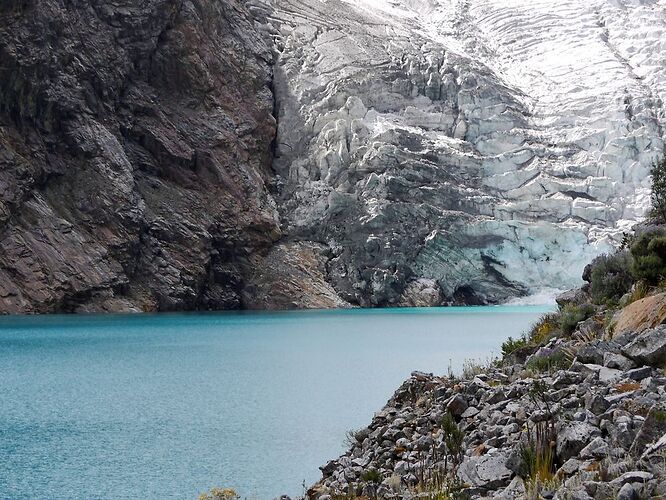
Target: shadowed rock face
[135, 153]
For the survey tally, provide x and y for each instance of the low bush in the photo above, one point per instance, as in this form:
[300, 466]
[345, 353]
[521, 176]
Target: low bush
[649, 257]
[572, 314]
[371, 476]
[555, 360]
[510, 345]
[544, 329]
[610, 277]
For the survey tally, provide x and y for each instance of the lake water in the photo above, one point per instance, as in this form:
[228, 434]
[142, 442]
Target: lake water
[168, 406]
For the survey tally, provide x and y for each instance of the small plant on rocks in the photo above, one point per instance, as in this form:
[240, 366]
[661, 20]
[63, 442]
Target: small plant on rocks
[371, 476]
[573, 314]
[220, 494]
[510, 345]
[453, 440]
[352, 438]
[555, 360]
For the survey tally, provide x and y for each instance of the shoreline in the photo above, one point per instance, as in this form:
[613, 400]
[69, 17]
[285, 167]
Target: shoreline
[577, 414]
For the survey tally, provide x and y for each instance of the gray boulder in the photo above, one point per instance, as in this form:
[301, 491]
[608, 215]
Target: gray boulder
[653, 428]
[487, 471]
[573, 437]
[648, 348]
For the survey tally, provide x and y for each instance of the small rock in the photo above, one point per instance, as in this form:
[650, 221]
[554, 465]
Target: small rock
[634, 476]
[596, 403]
[598, 448]
[639, 373]
[456, 405]
[614, 360]
[470, 412]
[627, 492]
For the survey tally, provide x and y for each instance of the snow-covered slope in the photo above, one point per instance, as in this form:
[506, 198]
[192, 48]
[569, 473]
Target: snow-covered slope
[465, 149]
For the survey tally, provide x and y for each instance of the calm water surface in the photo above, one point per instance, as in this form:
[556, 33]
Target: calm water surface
[167, 406]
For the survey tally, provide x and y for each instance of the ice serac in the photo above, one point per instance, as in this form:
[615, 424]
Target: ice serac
[135, 153]
[487, 148]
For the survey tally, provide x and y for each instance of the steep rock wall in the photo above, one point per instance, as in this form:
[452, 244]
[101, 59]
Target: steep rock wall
[135, 151]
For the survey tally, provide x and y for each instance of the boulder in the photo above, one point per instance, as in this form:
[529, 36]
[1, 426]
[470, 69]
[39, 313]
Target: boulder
[653, 429]
[649, 347]
[642, 314]
[487, 471]
[573, 437]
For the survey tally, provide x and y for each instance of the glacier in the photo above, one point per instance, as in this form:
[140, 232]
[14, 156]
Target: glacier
[464, 151]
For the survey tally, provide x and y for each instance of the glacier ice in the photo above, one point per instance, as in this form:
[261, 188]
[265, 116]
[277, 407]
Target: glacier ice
[492, 147]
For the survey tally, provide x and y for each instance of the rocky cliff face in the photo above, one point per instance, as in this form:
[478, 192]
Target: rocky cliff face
[478, 149]
[135, 154]
[424, 152]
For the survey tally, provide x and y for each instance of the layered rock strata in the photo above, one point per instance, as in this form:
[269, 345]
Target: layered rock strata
[135, 154]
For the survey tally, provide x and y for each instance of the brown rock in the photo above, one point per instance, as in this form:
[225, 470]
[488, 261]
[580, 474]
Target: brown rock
[641, 315]
[292, 275]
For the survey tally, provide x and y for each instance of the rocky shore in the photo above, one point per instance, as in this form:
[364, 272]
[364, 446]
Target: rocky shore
[576, 409]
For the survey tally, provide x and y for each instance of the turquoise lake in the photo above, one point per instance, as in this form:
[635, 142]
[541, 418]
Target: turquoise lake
[168, 406]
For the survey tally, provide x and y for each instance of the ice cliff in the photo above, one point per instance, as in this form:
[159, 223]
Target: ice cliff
[468, 150]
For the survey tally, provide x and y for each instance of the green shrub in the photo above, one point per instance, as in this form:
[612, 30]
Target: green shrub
[649, 257]
[511, 345]
[658, 197]
[371, 476]
[610, 277]
[557, 360]
[573, 314]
